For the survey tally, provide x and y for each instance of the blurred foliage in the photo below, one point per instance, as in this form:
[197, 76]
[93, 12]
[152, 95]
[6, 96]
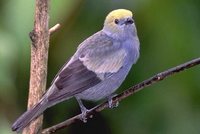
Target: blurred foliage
[169, 34]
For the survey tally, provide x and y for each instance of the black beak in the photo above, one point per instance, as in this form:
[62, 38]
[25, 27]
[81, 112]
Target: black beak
[129, 21]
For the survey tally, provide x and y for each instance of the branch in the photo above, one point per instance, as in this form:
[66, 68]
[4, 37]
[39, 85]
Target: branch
[39, 55]
[54, 28]
[156, 78]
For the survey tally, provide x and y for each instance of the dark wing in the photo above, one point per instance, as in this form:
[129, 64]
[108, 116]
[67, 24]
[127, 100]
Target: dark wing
[72, 80]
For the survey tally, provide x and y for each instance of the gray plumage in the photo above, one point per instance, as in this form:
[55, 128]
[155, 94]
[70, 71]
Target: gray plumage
[95, 71]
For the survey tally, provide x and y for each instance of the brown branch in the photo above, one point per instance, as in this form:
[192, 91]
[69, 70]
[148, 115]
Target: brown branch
[54, 28]
[156, 78]
[39, 56]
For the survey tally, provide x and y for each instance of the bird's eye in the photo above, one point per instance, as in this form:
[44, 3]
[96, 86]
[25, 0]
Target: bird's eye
[116, 21]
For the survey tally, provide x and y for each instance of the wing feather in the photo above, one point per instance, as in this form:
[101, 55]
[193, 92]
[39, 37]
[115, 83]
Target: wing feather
[74, 79]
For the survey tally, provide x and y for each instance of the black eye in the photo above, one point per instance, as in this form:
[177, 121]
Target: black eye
[116, 21]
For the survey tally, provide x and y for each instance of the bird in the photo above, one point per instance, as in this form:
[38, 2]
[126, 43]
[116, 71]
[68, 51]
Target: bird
[96, 70]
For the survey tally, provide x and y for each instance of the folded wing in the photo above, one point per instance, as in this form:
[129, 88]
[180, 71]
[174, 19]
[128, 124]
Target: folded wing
[72, 80]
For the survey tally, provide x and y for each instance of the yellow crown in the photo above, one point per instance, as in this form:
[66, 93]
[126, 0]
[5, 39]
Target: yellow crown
[118, 14]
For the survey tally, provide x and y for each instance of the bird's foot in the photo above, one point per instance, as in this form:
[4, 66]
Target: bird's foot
[112, 104]
[83, 116]
[84, 110]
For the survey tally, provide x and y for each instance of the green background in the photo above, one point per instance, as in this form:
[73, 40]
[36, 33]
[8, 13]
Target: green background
[169, 32]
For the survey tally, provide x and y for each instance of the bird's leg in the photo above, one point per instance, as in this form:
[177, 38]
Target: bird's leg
[111, 104]
[83, 110]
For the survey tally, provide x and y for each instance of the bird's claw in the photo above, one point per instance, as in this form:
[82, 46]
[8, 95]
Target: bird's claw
[112, 104]
[84, 114]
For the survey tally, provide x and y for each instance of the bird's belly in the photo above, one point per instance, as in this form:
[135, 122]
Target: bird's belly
[100, 91]
[106, 87]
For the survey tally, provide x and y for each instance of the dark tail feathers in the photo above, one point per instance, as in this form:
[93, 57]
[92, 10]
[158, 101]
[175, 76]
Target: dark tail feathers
[28, 116]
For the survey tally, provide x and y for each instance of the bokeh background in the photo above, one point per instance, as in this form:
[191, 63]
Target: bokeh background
[169, 32]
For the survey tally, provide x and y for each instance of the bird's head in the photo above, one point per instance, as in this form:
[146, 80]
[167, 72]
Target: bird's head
[119, 23]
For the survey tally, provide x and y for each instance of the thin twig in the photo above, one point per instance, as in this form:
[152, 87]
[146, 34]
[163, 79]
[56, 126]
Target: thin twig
[156, 78]
[54, 28]
[39, 55]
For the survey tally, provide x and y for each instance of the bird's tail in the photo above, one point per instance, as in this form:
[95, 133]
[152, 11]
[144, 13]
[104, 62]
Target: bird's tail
[29, 115]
